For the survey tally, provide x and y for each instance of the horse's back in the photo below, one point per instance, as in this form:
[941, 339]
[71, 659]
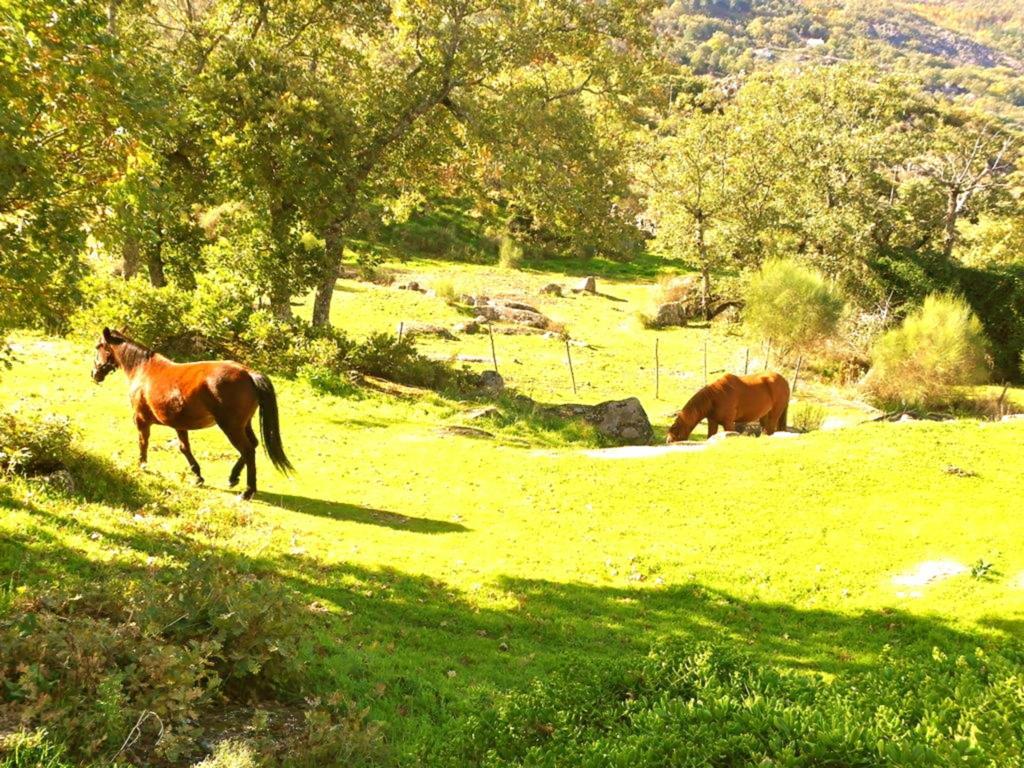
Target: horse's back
[194, 395]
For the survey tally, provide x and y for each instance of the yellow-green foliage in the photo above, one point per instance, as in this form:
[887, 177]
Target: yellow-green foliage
[791, 305]
[510, 252]
[939, 346]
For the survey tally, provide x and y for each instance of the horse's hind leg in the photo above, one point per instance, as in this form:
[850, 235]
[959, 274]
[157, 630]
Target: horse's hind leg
[186, 451]
[236, 471]
[239, 437]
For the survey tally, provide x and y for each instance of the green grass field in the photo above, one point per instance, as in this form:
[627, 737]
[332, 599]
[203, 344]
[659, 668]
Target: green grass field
[440, 567]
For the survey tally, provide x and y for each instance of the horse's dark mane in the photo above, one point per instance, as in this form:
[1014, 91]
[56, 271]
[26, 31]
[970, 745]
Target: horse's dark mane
[698, 402]
[132, 352]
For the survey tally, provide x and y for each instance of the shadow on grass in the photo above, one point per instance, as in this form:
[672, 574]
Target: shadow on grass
[356, 514]
[413, 648]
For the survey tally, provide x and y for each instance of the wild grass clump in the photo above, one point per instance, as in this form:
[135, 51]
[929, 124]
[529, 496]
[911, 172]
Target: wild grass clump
[791, 305]
[806, 417]
[938, 347]
[34, 444]
[697, 706]
[445, 290]
[510, 252]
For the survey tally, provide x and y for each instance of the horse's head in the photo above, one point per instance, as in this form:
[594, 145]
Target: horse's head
[106, 359]
[681, 428]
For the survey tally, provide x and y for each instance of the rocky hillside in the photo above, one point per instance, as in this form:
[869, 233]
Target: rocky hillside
[953, 47]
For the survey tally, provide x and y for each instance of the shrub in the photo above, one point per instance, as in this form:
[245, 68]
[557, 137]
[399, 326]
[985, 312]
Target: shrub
[510, 252]
[791, 305]
[33, 444]
[806, 417]
[939, 346]
[221, 305]
[384, 356]
[701, 706]
[155, 316]
[445, 289]
[87, 665]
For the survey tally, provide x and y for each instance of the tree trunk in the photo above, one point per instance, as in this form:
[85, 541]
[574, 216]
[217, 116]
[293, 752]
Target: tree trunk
[281, 301]
[333, 248]
[130, 256]
[949, 228]
[705, 268]
[155, 262]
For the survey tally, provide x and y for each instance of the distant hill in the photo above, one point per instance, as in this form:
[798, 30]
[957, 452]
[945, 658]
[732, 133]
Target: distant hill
[967, 50]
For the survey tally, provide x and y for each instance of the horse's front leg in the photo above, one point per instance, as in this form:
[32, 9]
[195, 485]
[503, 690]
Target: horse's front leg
[143, 427]
[186, 450]
[712, 427]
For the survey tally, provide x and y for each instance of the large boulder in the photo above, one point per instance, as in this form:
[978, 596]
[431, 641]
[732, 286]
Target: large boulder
[625, 421]
[586, 285]
[498, 310]
[412, 329]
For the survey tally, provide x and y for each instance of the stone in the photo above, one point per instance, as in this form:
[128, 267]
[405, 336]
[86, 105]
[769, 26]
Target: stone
[466, 299]
[466, 432]
[586, 285]
[488, 412]
[468, 327]
[1012, 417]
[752, 429]
[552, 289]
[413, 329]
[514, 312]
[61, 480]
[491, 381]
[622, 420]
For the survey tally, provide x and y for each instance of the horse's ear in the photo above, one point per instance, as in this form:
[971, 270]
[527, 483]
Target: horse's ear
[106, 334]
[111, 337]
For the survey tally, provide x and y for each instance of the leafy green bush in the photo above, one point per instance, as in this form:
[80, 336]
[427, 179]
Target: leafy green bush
[698, 706]
[939, 346]
[387, 357]
[88, 665]
[791, 305]
[33, 444]
[156, 316]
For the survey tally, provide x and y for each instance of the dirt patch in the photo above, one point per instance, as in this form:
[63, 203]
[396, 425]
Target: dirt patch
[928, 572]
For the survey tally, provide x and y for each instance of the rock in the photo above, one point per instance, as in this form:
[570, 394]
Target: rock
[752, 429]
[480, 319]
[622, 420]
[412, 329]
[466, 432]
[465, 298]
[586, 285]
[514, 312]
[517, 330]
[552, 289]
[906, 417]
[488, 412]
[1013, 417]
[61, 480]
[784, 433]
[491, 381]
[469, 327]
[412, 286]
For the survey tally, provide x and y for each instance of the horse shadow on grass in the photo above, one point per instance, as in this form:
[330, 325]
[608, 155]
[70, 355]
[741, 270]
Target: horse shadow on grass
[336, 510]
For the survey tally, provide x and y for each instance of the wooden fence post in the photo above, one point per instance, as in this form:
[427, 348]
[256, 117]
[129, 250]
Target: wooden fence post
[494, 355]
[796, 374]
[657, 371]
[571, 372]
[746, 362]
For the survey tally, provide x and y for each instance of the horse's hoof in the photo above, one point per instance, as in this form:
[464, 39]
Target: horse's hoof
[232, 482]
[199, 481]
[248, 493]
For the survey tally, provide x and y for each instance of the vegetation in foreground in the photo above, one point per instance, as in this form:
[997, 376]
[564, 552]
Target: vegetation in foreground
[307, 608]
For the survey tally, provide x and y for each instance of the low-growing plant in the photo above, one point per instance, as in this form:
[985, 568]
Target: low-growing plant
[805, 417]
[445, 290]
[157, 316]
[33, 444]
[701, 706]
[938, 347]
[791, 305]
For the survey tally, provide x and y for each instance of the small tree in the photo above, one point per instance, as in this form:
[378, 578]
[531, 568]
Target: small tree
[939, 346]
[791, 305]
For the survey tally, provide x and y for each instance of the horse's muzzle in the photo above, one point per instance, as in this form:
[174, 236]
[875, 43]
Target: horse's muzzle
[100, 372]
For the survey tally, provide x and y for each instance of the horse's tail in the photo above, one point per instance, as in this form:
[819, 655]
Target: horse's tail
[270, 426]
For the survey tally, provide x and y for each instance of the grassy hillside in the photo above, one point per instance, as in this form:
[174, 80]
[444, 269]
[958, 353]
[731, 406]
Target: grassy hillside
[431, 568]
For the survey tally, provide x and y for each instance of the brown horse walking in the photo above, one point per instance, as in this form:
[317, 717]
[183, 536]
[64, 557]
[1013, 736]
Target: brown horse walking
[187, 396]
[762, 397]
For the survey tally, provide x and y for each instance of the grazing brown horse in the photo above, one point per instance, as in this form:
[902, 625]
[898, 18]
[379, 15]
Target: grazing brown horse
[762, 397]
[186, 396]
